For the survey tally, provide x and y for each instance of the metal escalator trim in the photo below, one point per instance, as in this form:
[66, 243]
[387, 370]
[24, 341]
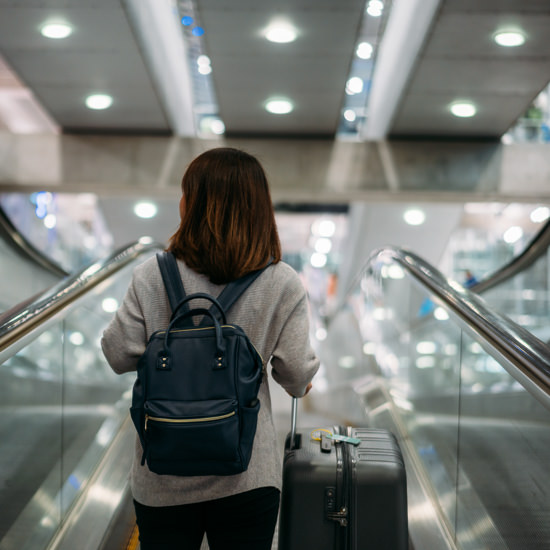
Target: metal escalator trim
[23, 247]
[25, 319]
[534, 250]
[525, 357]
[90, 516]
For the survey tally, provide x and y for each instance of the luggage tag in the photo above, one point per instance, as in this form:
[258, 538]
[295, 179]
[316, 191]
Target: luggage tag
[324, 436]
[344, 438]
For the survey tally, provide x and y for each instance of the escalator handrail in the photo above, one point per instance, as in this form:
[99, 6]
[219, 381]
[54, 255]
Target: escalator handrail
[529, 355]
[23, 247]
[26, 318]
[534, 250]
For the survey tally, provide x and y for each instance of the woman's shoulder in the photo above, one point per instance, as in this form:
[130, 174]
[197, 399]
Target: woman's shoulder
[284, 278]
[279, 277]
[283, 271]
[147, 269]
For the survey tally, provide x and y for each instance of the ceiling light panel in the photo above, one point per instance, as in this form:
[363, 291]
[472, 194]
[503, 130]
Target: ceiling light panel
[145, 210]
[414, 216]
[375, 8]
[358, 83]
[279, 106]
[56, 30]
[281, 31]
[61, 72]
[99, 102]
[459, 53]
[540, 214]
[206, 110]
[311, 71]
[509, 38]
[463, 109]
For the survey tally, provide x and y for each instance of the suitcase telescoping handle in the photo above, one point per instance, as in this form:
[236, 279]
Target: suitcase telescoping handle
[293, 419]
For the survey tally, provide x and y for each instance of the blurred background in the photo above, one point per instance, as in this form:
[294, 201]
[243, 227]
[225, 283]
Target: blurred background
[406, 143]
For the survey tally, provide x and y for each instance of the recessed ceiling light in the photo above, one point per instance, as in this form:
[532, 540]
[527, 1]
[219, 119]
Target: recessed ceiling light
[323, 228]
[463, 109]
[364, 50]
[212, 125]
[374, 8]
[99, 101]
[354, 85]
[56, 30]
[145, 210]
[509, 38]
[318, 260]
[513, 234]
[217, 126]
[204, 69]
[350, 115]
[50, 221]
[204, 65]
[540, 214]
[414, 216]
[323, 245]
[279, 106]
[280, 32]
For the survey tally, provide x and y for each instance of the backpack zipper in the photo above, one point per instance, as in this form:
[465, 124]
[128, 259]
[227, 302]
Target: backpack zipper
[187, 420]
[194, 328]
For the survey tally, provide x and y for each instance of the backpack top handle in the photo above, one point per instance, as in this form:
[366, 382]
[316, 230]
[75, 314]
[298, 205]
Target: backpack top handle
[176, 293]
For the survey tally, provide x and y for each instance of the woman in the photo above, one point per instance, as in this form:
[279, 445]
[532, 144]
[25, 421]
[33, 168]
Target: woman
[227, 229]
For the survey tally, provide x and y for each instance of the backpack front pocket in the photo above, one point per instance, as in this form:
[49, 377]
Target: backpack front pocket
[195, 433]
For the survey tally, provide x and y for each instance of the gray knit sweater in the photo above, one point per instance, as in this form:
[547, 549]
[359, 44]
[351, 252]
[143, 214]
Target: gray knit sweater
[274, 314]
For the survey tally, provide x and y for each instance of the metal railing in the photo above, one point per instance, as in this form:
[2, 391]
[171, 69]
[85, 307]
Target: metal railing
[534, 250]
[523, 352]
[24, 320]
[24, 247]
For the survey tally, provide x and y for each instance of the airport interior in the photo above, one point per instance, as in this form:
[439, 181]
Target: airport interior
[407, 148]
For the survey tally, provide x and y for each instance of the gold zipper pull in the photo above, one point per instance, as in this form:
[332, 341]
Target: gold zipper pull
[146, 420]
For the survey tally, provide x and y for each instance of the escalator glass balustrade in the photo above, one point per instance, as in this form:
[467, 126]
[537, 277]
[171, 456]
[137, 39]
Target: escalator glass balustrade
[62, 406]
[474, 423]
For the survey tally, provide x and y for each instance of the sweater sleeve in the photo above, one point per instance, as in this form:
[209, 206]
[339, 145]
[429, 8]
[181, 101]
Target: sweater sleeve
[294, 362]
[125, 338]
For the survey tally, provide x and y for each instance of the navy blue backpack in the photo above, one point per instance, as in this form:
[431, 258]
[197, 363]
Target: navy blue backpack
[195, 401]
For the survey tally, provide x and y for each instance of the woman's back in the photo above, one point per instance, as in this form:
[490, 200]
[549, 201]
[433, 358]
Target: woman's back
[227, 230]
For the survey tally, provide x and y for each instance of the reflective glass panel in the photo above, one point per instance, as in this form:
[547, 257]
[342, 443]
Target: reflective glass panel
[31, 389]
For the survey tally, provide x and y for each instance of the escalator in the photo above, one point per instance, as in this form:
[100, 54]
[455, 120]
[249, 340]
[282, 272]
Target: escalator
[520, 289]
[25, 270]
[63, 409]
[464, 388]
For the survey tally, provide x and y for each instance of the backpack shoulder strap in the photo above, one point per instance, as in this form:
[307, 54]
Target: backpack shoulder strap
[171, 278]
[233, 290]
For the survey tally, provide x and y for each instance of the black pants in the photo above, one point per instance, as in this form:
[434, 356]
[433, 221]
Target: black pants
[245, 521]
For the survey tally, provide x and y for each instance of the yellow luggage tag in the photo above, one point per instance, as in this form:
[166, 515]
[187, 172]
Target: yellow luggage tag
[318, 432]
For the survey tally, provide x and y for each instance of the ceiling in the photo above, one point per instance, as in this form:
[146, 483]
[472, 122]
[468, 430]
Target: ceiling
[459, 60]
[431, 53]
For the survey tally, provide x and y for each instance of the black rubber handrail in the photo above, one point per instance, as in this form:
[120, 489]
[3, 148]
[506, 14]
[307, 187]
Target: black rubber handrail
[534, 250]
[24, 248]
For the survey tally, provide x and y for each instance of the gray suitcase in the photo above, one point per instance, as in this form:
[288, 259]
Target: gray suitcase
[344, 496]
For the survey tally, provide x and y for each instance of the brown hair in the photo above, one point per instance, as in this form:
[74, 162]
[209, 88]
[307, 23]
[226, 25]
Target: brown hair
[227, 226]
